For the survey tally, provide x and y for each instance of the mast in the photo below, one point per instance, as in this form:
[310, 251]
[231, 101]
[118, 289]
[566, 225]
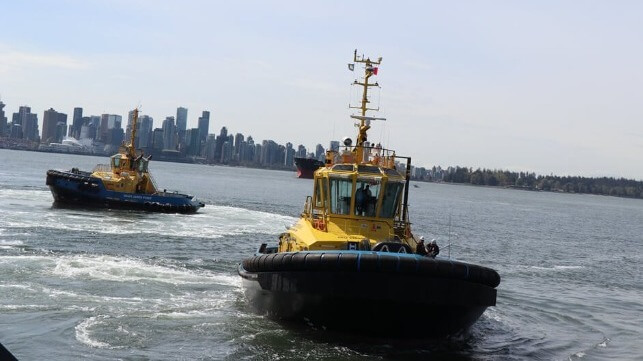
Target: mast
[365, 122]
[131, 147]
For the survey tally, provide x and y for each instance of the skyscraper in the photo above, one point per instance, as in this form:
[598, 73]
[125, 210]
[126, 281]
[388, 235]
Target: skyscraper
[77, 123]
[144, 131]
[181, 123]
[25, 124]
[3, 120]
[192, 141]
[319, 152]
[169, 131]
[52, 123]
[301, 151]
[204, 125]
[290, 155]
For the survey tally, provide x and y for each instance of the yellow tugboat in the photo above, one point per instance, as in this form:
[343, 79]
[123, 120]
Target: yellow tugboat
[351, 262]
[125, 183]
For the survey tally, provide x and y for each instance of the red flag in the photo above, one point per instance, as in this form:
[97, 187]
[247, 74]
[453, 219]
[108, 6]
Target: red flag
[375, 71]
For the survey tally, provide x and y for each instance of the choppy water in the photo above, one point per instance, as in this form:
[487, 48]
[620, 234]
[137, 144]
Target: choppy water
[101, 284]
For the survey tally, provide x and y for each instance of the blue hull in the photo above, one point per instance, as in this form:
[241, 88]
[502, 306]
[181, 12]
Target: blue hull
[80, 188]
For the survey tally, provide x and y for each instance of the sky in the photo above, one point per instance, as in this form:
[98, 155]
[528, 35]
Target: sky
[552, 87]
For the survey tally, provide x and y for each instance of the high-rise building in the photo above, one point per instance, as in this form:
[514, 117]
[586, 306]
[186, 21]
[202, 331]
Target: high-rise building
[169, 134]
[77, 123]
[53, 126]
[27, 122]
[102, 131]
[210, 144]
[222, 138]
[249, 153]
[301, 151]
[3, 120]
[319, 152]
[157, 139]
[107, 123]
[334, 145]
[181, 123]
[290, 155]
[204, 125]
[144, 131]
[114, 121]
[226, 151]
[238, 146]
[192, 141]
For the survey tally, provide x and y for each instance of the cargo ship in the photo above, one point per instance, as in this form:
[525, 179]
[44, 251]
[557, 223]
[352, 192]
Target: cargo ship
[306, 167]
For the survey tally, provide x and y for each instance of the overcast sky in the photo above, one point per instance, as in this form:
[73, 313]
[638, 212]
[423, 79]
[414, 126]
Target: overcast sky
[544, 86]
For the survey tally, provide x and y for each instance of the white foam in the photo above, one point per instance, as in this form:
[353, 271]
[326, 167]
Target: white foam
[121, 269]
[83, 332]
[493, 314]
[210, 222]
[4, 244]
[556, 268]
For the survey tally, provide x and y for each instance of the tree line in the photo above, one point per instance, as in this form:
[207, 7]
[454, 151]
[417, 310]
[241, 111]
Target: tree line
[609, 186]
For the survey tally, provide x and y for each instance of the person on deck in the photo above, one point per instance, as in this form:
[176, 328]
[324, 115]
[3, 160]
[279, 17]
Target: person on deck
[432, 249]
[420, 248]
[360, 200]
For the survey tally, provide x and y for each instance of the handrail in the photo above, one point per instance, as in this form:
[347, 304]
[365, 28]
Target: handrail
[151, 178]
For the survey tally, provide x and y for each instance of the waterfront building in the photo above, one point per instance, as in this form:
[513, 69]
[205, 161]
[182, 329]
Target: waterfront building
[107, 122]
[204, 125]
[256, 158]
[249, 153]
[144, 131]
[3, 120]
[192, 142]
[301, 151]
[226, 151]
[76, 123]
[52, 123]
[290, 155]
[28, 123]
[87, 130]
[238, 146]
[181, 124]
[169, 134]
[320, 152]
[209, 148]
[157, 140]
[222, 138]
[334, 145]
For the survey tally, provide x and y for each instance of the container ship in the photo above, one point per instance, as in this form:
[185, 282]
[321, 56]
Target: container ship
[306, 167]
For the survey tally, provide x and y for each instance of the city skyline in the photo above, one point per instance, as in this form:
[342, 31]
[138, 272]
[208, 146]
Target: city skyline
[546, 87]
[145, 119]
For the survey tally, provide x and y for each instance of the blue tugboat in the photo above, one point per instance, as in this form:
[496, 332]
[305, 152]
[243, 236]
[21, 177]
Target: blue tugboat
[125, 183]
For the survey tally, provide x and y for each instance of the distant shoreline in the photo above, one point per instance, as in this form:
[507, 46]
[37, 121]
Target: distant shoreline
[612, 187]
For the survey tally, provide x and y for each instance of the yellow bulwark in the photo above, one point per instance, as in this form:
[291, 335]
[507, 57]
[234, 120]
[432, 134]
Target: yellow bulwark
[359, 196]
[128, 169]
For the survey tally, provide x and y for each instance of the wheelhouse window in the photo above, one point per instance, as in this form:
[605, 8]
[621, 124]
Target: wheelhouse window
[142, 165]
[116, 161]
[391, 199]
[367, 190]
[340, 195]
[318, 194]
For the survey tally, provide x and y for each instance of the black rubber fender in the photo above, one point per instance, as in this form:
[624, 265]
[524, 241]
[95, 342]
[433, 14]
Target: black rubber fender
[371, 262]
